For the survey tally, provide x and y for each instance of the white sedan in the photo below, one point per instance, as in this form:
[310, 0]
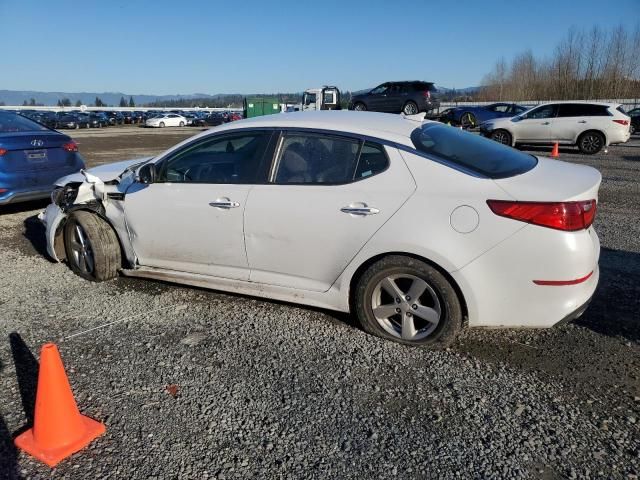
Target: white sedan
[166, 120]
[416, 228]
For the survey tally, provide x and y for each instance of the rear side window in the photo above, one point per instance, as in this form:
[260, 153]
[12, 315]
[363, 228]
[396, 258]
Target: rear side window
[621, 110]
[11, 122]
[581, 110]
[315, 159]
[471, 152]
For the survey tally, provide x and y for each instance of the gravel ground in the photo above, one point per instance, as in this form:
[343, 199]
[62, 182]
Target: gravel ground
[200, 384]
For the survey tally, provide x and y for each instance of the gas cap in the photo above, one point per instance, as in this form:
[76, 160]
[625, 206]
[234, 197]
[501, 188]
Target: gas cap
[464, 219]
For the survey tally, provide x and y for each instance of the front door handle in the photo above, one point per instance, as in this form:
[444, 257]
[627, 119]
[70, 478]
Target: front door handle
[546, 123]
[582, 121]
[359, 210]
[224, 202]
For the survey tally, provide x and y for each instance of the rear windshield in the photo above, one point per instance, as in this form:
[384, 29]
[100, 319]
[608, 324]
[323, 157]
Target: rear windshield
[471, 152]
[11, 122]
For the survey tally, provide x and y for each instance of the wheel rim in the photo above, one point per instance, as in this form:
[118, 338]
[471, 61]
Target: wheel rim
[81, 250]
[591, 143]
[406, 307]
[467, 120]
[410, 109]
[501, 137]
[359, 107]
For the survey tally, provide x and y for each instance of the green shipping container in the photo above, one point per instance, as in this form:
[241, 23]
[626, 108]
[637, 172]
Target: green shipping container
[257, 106]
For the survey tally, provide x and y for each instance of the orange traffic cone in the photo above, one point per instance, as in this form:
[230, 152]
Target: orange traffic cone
[58, 428]
[554, 151]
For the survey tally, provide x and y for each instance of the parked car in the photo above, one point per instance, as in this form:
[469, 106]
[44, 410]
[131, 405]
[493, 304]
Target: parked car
[214, 119]
[128, 117]
[320, 208]
[32, 158]
[409, 98]
[167, 120]
[71, 120]
[115, 118]
[97, 120]
[472, 116]
[635, 120]
[199, 119]
[48, 119]
[589, 125]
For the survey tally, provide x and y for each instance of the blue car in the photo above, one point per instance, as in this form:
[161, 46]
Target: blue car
[32, 158]
[471, 117]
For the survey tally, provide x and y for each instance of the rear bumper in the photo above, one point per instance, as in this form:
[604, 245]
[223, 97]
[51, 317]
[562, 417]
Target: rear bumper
[24, 196]
[499, 287]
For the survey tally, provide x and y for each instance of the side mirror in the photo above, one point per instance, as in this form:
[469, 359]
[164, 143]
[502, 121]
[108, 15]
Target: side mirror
[147, 173]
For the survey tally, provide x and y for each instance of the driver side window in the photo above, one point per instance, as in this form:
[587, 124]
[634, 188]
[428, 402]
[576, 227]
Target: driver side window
[380, 89]
[546, 111]
[226, 159]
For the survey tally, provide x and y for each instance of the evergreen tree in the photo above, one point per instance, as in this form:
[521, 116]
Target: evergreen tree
[123, 102]
[98, 102]
[24, 103]
[131, 102]
[60, 103]
[78, 103]
[32, 102]
[66, 102]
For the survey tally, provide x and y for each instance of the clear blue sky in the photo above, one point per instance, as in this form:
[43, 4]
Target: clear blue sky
[184, 46]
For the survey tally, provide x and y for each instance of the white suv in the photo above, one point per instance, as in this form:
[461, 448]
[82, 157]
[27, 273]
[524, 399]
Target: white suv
[590, 125]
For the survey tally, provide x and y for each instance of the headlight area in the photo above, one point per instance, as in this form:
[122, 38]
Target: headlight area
[65, 196]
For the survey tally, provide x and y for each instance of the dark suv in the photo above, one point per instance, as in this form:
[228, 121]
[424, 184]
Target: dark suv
[395, 97]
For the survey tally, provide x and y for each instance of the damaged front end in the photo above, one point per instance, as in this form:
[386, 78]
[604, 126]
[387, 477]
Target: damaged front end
[100, 190]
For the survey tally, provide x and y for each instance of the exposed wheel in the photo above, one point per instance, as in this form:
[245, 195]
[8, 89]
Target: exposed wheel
[181, 124]
[161, 125]
[92, 248]
[408, 301]
[501, 136]
[360, 107]
[410, 108]
[468, 120]
[591, 142]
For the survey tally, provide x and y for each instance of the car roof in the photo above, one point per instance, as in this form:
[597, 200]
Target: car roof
[586, 102]
[386, 126]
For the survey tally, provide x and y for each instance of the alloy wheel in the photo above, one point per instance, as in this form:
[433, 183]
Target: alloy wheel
[410, 109]
[406, 306]
[81, 250]
[501, 137]
[591, 143]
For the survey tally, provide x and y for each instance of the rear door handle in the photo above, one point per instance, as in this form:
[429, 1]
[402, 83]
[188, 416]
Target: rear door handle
[224, 202]
[582, 121]
[546, 123]
[361, 211]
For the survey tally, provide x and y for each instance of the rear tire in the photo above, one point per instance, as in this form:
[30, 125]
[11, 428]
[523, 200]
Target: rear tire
[161, 124]
[502, 136]
[591, 142]
[410, 108]
[181, 124]
[384, 307]
[92, 247]
[360, 107]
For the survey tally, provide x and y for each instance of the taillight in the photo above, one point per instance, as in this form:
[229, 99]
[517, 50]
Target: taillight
[567, 216]
[427, 94]
[3, 151]
[70, 147]
[622, 122]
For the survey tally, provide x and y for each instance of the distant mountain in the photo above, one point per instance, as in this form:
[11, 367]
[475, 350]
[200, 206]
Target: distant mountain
[15, 97]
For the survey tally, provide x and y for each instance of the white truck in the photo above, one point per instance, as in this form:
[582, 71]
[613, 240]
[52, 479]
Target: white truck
[323, 98]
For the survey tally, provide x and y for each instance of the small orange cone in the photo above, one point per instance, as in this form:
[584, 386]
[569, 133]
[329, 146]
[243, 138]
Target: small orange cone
[554, 151]
[58, 427]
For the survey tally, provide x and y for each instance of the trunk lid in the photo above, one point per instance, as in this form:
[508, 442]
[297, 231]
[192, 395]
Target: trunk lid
[553, 181]
[34, 152]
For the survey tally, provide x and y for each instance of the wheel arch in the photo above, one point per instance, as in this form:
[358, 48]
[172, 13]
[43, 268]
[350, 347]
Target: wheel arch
[370, 261]
[596, 130]
[96, 210]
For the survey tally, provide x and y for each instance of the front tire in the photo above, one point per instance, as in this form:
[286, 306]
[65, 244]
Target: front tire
[92, 247]
[502, 136]
[161, 125]
[360, 107]
[591, 143]
[410, 108]
[407, 301]
[468, 120]
[181, 124]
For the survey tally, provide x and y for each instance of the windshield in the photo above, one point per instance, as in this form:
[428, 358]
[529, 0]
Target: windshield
[11, 122]
[309, 98]
[471, 152]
